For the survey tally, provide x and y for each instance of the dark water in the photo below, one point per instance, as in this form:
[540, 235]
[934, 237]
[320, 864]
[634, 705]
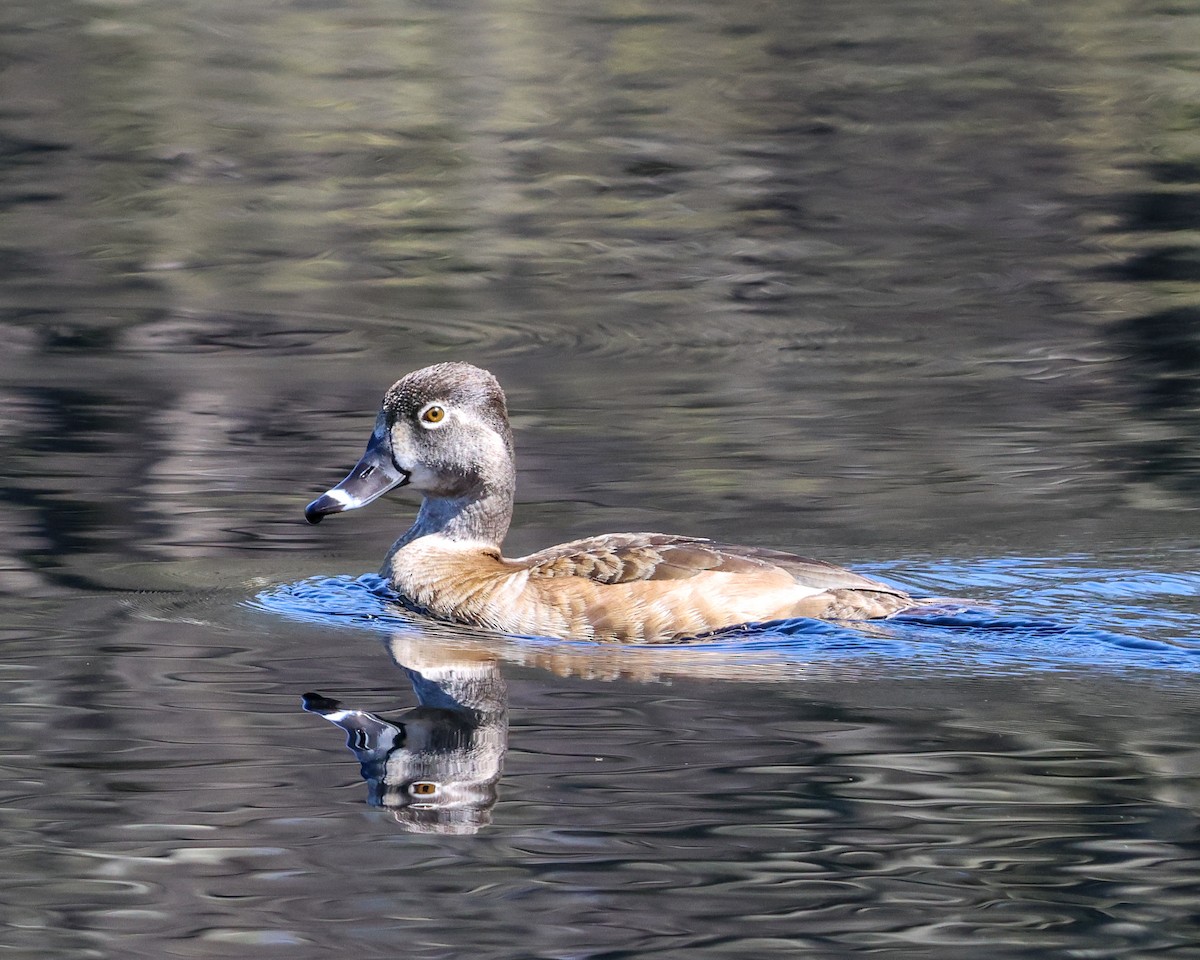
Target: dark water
[913, 287]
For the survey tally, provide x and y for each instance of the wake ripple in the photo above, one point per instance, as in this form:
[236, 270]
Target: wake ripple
[1048, 615]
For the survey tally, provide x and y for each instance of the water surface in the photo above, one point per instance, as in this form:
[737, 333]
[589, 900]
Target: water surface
[910, 287]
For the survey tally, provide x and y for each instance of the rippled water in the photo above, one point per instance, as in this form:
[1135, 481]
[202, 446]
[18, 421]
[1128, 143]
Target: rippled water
[910, 286]
[1044, 618]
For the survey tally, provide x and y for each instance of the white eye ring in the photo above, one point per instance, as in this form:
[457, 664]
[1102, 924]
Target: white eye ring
[432, 415]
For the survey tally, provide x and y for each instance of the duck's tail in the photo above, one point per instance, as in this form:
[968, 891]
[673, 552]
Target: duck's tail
[928, 607]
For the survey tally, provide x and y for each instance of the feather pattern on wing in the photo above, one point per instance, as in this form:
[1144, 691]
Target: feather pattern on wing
[627, 557]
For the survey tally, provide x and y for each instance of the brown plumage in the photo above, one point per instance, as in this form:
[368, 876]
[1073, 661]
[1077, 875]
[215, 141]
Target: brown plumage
[444, 430]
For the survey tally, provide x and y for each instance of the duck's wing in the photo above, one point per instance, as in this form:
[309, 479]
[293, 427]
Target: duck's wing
[813, 573]
[627, 557]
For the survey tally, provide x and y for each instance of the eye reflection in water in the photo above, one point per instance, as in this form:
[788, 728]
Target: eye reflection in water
[434, 766]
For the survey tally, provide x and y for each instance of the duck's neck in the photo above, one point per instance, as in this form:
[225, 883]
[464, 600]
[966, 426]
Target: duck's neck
[482, 516]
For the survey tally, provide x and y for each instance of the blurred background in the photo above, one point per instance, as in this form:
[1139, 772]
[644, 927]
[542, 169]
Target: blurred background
[866, 276]
[909, 286]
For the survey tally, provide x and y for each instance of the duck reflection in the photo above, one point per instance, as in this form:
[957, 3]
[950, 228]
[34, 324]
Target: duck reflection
[434, 766]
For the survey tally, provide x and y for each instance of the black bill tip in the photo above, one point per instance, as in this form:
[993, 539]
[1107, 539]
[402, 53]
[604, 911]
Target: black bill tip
[322, 507]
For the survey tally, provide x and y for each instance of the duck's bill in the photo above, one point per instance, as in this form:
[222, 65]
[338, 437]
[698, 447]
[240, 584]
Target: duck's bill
[373, 476]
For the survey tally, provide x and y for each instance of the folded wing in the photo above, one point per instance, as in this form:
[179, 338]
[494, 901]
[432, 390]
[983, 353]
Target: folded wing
[629, 557]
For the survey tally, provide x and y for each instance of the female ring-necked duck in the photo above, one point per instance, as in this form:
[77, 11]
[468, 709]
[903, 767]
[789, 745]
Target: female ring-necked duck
[444, 431]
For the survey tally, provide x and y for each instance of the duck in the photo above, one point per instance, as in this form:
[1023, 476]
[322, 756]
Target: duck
[443, 431]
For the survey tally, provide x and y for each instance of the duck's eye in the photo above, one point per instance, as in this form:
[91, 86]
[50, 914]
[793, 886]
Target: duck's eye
[422, 789]
[433, 414]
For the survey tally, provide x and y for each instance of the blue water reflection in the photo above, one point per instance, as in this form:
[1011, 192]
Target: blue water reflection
[1038, 614]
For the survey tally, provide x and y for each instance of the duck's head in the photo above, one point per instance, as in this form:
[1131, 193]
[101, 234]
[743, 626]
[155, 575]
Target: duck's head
[442, 430]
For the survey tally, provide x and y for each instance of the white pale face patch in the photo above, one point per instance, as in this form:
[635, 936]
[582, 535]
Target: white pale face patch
[420, 477]
[406, 449]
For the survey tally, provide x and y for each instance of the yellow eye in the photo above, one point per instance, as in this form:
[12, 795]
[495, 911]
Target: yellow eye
[433, 414]
[423, 789]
